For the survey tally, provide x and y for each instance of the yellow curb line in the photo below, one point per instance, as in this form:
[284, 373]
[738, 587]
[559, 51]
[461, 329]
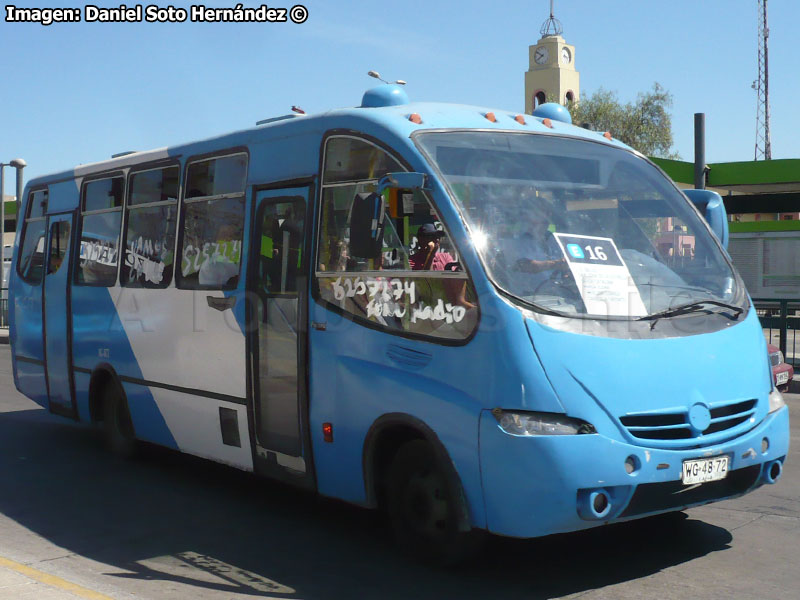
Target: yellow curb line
[52, 580]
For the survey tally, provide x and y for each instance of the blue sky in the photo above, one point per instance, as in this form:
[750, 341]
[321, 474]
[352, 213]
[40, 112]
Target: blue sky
[77, 93]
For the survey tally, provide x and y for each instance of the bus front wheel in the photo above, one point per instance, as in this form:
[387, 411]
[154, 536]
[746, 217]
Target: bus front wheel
[422, 508]
[117, 423]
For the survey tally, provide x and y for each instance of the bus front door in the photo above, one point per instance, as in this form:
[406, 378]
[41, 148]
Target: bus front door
[278, 285]
[56, 327]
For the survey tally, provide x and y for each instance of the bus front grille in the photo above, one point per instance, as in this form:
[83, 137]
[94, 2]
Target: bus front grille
[675, 426]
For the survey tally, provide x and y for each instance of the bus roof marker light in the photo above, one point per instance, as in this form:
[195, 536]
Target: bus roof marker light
[547, 123]
[415, 118]
[607, 135]
[490, 117]
[298, 110]
[520, 119]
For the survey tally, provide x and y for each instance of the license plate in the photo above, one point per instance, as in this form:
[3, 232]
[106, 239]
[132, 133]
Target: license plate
[782, 378]
[707, 469]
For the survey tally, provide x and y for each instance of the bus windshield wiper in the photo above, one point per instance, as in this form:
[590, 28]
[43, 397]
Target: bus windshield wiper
[691, 307]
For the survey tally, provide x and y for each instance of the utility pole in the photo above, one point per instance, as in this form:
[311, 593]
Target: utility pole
[763, 147]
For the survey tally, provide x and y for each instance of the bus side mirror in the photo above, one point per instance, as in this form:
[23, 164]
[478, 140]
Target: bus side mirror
[712, 208]
[406, 180]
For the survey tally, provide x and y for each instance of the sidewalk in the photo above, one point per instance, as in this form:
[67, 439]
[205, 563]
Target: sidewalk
[18, 581]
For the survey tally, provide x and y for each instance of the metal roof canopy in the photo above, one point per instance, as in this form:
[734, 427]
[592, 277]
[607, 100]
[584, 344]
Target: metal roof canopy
[763, 186]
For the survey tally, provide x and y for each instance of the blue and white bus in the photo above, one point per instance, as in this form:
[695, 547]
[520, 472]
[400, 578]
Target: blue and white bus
[479, 320]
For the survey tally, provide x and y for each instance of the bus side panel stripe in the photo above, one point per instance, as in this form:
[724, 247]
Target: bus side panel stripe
[99, 337]
[195, 425]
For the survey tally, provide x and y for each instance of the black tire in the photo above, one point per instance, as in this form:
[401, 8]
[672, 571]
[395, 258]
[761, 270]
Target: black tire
[423, 508]
[117, 423]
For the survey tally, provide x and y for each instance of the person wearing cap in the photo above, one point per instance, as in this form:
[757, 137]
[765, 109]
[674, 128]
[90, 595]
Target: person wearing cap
[429, 257]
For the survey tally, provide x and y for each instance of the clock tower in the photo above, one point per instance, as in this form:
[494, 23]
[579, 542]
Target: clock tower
[551, 75]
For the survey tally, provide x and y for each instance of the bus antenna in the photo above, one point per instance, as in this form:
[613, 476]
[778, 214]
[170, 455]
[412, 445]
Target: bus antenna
[377, 75]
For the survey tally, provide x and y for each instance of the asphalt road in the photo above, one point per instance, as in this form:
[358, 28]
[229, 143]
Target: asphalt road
[77, 522]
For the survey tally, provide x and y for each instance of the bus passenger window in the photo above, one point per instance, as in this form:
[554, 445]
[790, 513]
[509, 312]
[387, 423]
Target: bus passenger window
[213, 223]
[31, 256]
[101, 216]
[387, 258]
[150, 234]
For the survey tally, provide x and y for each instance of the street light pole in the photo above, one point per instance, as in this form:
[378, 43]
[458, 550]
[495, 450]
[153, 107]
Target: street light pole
[18, 164]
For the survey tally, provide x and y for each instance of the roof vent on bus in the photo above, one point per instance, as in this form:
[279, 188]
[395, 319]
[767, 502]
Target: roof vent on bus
[119, 154]
[554, 112]
[390, 94]
[385, 95]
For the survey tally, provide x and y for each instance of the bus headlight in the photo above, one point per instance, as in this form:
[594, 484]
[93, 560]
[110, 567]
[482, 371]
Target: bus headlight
[776, 401]
[537, 423]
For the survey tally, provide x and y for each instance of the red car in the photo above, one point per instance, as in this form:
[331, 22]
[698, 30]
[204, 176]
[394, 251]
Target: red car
[782, 372]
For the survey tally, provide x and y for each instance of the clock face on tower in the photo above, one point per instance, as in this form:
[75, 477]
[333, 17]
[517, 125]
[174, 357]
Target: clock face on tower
[566, 56]
[541, 55]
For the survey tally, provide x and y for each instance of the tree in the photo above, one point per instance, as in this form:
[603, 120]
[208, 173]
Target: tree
[645, 125]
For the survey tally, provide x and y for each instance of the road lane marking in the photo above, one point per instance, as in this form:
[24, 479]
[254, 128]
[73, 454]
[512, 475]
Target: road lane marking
[52, 580]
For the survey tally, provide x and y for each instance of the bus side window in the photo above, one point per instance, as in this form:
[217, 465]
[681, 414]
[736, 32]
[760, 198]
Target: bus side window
[101, 219]
[213, 223]
[31, 257]
[151, 215]
[387, 258]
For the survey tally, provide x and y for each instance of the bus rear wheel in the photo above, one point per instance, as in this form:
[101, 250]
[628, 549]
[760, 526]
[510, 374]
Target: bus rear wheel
[117, 423]
[422, 508]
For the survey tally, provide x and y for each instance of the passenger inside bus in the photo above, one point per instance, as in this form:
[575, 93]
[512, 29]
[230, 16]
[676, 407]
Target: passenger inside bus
[221, 268]
[430, 256]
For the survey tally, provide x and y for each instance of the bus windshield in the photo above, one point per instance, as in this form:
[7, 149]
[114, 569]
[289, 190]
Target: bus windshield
[577, 227]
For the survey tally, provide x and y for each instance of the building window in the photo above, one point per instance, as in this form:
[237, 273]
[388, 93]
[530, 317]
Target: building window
[539, 98]
[570, 97]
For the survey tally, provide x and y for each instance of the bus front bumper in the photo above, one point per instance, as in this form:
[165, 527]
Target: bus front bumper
[539, 485]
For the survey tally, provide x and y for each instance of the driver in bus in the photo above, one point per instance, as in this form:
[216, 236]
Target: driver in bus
[534, 250]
